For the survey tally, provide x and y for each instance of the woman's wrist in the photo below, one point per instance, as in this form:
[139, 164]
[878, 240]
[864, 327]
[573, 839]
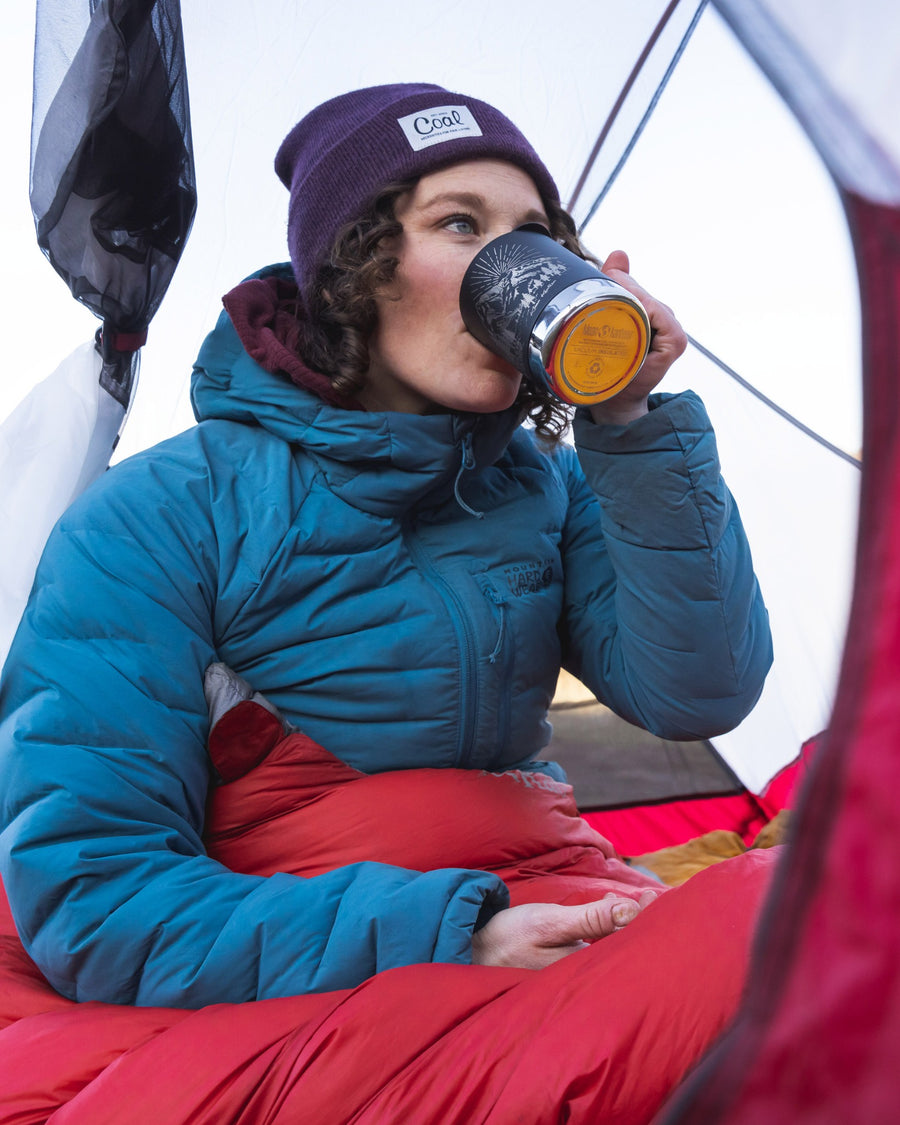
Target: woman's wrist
[613, 413]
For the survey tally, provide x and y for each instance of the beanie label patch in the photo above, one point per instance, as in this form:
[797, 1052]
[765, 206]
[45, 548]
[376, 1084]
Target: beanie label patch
[433, 126]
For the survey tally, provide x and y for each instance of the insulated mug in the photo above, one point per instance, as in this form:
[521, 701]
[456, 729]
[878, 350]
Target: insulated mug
[554, 317]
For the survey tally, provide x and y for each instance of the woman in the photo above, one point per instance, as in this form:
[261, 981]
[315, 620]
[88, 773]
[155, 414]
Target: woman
[360, 527]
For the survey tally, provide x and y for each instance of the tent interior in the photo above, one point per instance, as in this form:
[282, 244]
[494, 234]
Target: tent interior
[734, 211]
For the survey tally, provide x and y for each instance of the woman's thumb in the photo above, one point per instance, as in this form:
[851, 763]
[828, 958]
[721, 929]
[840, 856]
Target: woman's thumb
[604, 917]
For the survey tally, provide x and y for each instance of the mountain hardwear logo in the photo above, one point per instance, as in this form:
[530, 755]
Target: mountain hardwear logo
[529, 577]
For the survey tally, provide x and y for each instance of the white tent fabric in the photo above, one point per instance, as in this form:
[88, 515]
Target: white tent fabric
[824, 65]
[56, 442]
[254, 69]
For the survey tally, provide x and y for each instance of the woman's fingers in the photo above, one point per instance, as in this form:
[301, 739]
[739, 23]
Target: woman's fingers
[668, 342]
[617, 260]
[669, 338]
[594, 920]
[537, 934]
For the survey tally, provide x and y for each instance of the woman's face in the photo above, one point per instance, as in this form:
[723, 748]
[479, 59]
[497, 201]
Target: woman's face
[422, 358]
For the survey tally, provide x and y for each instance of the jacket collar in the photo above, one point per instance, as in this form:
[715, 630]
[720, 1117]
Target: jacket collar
[383, 462]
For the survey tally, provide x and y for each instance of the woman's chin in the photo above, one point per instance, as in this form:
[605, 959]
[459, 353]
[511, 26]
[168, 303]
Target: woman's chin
[487, 403]
[497, 389]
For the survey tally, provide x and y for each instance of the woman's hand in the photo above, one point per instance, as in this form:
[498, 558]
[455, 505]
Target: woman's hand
[535, 935]
[669, 342]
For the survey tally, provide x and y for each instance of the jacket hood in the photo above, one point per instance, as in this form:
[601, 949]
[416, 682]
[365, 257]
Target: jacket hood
[246, 373]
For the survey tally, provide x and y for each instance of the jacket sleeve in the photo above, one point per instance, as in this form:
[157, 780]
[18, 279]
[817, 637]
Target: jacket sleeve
[664, 620]
[105, 776]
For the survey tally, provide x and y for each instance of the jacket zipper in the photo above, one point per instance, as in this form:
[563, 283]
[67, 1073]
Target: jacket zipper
[462, 627]
[466, 465]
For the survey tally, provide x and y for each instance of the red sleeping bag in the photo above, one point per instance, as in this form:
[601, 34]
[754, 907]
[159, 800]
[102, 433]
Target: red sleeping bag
[603, 1035]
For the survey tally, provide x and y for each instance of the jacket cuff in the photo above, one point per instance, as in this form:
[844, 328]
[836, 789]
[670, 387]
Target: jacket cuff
[668, 413]
[477, 901]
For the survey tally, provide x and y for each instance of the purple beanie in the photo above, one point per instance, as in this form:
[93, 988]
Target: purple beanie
[338, 158]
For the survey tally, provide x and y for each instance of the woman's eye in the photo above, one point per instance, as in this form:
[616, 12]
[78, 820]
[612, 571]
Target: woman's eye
[460, 224]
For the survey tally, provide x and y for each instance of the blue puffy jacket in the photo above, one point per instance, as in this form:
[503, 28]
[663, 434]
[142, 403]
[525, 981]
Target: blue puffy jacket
[404, 588]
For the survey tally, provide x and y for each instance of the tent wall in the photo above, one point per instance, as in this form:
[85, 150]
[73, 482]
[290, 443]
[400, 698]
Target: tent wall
[817, 1040]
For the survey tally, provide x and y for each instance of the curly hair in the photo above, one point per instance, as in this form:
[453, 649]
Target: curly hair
[340, 312]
